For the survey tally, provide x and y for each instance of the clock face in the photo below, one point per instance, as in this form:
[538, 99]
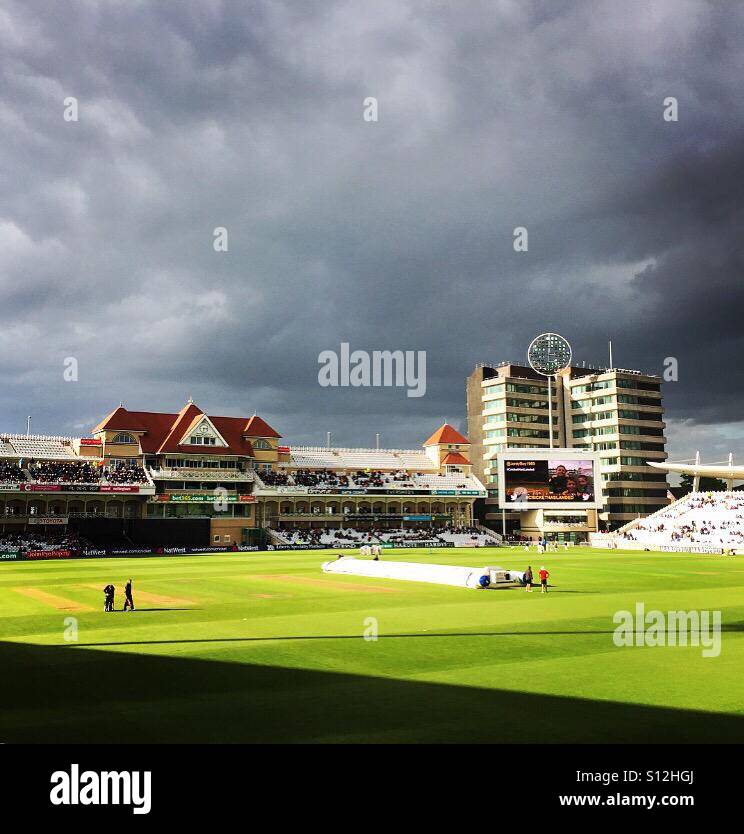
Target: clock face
[204, 429]
[549, 353]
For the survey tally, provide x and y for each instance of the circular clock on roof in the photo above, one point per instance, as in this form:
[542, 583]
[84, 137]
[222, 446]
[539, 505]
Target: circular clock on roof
[549, 353]
[204, 429]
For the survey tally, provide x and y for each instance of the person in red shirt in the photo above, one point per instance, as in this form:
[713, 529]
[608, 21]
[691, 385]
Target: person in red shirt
[544, 580]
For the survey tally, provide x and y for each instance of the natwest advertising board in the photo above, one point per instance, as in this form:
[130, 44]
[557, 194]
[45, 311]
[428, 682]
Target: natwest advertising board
[90, 441]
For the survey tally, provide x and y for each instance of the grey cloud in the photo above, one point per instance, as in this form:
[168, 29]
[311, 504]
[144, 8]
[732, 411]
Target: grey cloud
[394, 235]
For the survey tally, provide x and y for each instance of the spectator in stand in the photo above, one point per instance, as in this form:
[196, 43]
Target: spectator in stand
[62, 472]
[272, 478]
[11, 473]
[26, 541]
[125, 473]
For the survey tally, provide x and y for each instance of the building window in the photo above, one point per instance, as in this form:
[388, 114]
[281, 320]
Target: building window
[526, 389]
[123, 437]
[526, 433]
[200, 440]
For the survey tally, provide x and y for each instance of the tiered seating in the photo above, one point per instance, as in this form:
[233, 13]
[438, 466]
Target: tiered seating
[40, 446]
[298, 536]
[270, 479]
[450, 481]
[59, 472]
[320, 478]
[327, 538]
[41, 541]
[348, 536]
[468, 537]
[11, 473]
[713, 519]
[366, 479]
[6, 449]
[376, 479]
[415, 460]
[459, 536]
[423, 535]
[390, 460]
[202, 474]
[125, 473]
[315, 458]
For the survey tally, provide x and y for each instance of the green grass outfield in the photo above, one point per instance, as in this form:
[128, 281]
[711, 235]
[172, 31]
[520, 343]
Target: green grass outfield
[242, 647]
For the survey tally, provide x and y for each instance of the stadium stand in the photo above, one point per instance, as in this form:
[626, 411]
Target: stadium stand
[58, 472]
[361, 460]
[325, 479]
[43, 541]
[712, 520]
[421, 536]
[154, 473]
[125, 473]
[6, 449]
[40, 446]
[11, 473]
[469, 537]
[458, 536]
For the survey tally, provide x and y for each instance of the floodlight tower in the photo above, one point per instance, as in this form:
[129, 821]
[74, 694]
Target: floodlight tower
[547, 354]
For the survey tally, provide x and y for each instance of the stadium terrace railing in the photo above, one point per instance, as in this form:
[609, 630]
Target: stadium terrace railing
[201, 475]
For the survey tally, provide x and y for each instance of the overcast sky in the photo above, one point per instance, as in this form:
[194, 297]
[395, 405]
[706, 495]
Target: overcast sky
[389, 235]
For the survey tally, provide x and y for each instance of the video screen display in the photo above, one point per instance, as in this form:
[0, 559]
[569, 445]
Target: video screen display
[559, 481]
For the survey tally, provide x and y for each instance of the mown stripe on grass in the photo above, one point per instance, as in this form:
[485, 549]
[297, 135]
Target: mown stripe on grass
[324, 583]
[146, 596]
[52, 600]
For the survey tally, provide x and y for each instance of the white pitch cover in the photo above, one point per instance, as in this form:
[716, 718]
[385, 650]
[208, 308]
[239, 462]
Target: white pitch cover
[460, 577]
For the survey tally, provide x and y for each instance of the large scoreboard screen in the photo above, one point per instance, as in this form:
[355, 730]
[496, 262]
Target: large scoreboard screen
[559, 478]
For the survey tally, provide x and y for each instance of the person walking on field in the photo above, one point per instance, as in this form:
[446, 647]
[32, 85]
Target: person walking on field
[528, 579]
[128, 601]
[544, 580]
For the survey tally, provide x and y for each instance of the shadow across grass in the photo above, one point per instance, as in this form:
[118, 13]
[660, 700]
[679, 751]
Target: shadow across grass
[138, 609]
[729, 628]
[71, 694]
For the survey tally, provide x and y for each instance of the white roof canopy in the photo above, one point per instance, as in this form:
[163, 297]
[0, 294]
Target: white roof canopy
[706, 470]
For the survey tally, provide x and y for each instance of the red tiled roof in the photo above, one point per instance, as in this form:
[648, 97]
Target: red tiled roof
[162, 432]
[446, 434]
[256, 427]
[456, 457]
[187, 419]
[121, 420]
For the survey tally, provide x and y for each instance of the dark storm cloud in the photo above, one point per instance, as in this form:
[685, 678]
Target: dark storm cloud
[388, 235]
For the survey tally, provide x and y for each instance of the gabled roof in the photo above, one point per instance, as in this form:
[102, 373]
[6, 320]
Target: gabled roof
[446, 434]
[456, 457]
[256, 427]
[121, 420]
[162, 432]
[187, 418]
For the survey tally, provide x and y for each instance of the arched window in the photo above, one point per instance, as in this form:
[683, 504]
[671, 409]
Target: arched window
[123, 437]
[261, 444]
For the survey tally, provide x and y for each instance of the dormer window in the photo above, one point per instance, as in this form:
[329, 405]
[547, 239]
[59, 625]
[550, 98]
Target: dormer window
[203, 433]
[123, 437]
